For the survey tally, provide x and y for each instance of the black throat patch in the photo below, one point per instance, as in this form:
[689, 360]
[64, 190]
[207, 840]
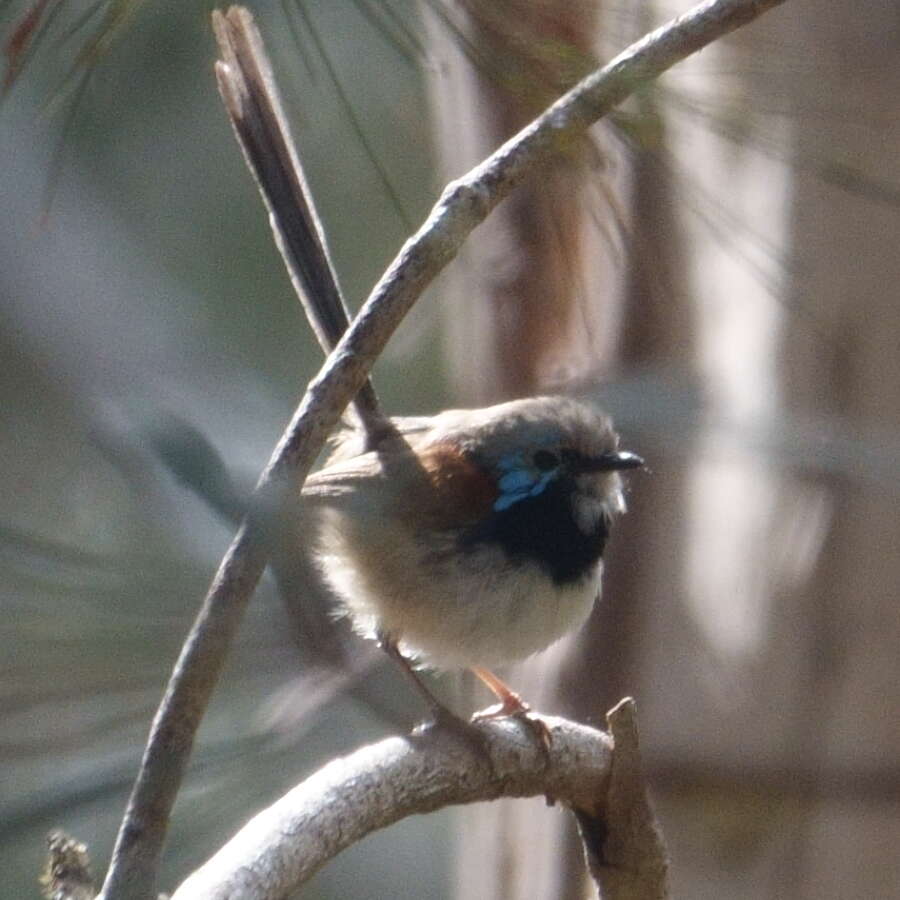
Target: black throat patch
[542, 529]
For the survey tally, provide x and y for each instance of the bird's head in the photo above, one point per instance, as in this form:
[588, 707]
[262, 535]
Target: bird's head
[552, 465]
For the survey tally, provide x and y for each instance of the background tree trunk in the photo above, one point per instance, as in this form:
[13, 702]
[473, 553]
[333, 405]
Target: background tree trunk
[742, 261]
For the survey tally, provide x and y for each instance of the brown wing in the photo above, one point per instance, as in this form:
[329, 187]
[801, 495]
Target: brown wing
[461, 493]
[340, 478]
[436, 487]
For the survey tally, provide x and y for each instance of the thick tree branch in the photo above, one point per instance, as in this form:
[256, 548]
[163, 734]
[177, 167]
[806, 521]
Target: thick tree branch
[463, 205]
[284, 845]
[597, 776]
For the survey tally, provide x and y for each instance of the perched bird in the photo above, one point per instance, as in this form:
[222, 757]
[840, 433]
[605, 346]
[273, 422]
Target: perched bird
[468, 539]
[475, 537]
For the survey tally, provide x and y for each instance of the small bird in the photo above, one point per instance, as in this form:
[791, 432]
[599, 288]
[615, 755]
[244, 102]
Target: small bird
[468, 539]
[474, 537]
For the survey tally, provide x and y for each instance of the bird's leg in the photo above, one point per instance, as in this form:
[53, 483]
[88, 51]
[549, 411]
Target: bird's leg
[512, 705]
[389, 645]
[442, 717]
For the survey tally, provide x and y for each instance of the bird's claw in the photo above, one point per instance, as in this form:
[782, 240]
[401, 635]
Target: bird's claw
[513, 707]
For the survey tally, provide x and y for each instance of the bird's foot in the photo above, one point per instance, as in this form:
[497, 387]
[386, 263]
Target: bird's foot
[513, 707]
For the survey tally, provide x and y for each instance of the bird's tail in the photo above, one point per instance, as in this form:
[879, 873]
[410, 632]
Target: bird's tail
[248, 90]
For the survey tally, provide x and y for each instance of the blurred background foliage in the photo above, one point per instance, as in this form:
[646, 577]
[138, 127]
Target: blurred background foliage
[741, 218]
[140, 282]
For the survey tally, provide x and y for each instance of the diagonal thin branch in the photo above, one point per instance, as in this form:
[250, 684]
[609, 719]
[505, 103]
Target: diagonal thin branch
[462, 206]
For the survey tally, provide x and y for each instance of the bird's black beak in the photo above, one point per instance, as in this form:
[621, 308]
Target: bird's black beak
[612, 462]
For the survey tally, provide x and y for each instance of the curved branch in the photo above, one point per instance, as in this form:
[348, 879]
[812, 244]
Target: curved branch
[285, 844]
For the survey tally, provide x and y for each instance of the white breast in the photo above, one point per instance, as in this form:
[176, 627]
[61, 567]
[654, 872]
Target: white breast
[472, 609]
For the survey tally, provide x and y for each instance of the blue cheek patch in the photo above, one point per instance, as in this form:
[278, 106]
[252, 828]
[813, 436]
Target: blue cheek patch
[515, 482]
[519, 481]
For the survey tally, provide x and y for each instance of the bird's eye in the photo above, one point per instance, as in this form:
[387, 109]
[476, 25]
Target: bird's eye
[545, 460]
